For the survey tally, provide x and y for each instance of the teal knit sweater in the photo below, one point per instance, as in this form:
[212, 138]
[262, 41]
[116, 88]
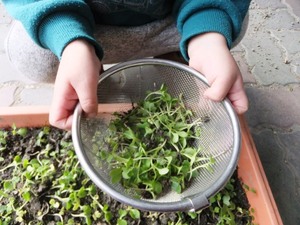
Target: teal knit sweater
[53, 24]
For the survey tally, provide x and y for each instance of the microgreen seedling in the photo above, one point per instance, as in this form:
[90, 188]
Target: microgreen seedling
[151, 147]
[42, 183]
[20, 131]
[52, 173]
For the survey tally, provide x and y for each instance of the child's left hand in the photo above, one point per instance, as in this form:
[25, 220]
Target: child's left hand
[76, 81]
[210, 56]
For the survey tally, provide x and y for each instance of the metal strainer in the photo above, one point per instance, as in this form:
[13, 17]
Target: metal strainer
[127, 83]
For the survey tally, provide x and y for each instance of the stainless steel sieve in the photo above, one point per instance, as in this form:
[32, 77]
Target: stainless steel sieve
[127, 83]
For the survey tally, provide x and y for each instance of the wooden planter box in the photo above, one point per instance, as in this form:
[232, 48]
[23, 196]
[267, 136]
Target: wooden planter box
[250, 169]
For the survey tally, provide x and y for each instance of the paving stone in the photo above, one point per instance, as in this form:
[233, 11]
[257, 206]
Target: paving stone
[294, 6]
[279, 153]
[288, 40]
[8, 73]
[244, 68]
[274, 4]
[265, 57]
[40, 95]
[256, 20]
[281, 19]
[265, 54]
[273, 106]
[295, 63]
[266, 60]
[7, 95]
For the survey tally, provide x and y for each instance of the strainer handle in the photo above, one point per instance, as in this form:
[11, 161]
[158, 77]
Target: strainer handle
[198, 202]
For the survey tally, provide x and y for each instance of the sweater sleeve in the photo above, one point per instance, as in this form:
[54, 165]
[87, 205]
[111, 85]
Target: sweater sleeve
[221, 16]
[53, 24]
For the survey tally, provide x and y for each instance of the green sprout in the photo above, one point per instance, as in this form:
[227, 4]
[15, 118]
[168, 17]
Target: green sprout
[151, 148]
[41, 182]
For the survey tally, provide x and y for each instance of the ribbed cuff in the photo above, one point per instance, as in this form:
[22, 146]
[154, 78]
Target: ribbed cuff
[208, 20]
[59, 29]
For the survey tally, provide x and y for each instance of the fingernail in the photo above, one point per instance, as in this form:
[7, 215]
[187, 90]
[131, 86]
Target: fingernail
[91, 115]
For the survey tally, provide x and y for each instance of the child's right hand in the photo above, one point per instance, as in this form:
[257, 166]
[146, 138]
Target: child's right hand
[76, 80]
[210, 55]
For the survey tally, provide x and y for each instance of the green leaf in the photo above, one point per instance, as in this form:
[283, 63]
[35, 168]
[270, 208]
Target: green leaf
[157, 187]
[189, 152]
[87, 210]
[116, 175]
[175, 137]
[119, 159]
[197, 131]
[183, 142]
[26, 196]
[3, 136]
[25, 163]
[122, 213]
[180, 126]
[163, 171]
[146, 163]
[193, 215]
[108, 216]
[105, 208]
[185, 167]
[182, 134]
[149, 106]
[3, 194]
[13, 127]
[121, 222]
[226, 200]
[22, 132]
[54, 203]
[212, 199]
[96, 215]
[8, 186]
[88, 220]
[216, 209]
[81, 192]
[71, 222]
[126, 173]
[17, 159]
[148, 131]
[135, 214]
[176, 186]
[129, 134]
[68, 205]
[219, 196]
[169, 159]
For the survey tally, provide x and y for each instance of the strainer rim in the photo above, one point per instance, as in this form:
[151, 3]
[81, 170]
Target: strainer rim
[192, 203]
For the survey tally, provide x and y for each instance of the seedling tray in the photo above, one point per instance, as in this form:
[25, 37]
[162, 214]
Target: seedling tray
[250, 169]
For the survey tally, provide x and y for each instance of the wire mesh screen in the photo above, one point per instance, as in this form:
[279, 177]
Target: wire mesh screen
[126, 85]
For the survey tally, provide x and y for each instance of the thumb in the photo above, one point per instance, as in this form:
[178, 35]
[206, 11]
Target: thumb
[235, 93]
[218, 89]
[238, 97]
[87, 96]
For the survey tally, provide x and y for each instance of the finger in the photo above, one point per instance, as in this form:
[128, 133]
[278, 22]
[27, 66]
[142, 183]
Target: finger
[87, 95]
[239, 102]
[63, 103]
[219, 88]
[238, 97]
[235, 93]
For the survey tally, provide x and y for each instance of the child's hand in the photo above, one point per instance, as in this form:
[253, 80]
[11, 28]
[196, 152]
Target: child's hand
[76, 80]
[210, 55]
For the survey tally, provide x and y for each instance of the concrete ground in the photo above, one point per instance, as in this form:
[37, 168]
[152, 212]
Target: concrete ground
[269, 58]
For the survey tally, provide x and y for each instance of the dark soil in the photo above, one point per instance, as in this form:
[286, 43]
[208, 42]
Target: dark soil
[16, 208]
